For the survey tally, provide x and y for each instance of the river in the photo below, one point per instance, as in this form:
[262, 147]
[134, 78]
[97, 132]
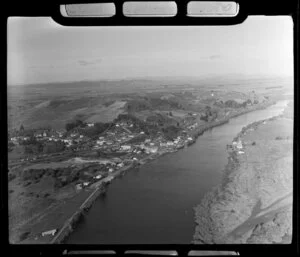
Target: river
[153, 204]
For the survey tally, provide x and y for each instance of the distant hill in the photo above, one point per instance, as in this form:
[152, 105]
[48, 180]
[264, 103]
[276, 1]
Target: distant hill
[101, 101]
[58, 112]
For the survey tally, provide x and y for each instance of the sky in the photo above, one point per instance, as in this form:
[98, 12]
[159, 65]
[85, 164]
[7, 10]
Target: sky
[42, 51]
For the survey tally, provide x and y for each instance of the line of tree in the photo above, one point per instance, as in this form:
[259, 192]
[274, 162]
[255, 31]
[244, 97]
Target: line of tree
[171, 132]
[209, 114]
[97, 129]
[32, 146]
[75, 124]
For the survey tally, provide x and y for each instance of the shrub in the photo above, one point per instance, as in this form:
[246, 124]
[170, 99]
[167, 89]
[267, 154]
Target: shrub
[75, 124]
[108, 103]
[11, 144]
[11, 177]
[27, 184]
[53, 147]
[97, 129]
[170, 132]
[59, 183]
[34, 147]
[24, 236]
[204, 117]
[33, 174]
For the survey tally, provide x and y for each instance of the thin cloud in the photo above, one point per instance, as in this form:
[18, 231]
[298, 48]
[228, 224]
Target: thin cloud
[86, 63]
[35, 67]
[214, 57]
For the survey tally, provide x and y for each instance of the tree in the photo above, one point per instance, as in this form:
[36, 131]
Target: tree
[97, 129]
[10, 146]
[53, 147]
[208, 111]
[75, 124]
[171, 132]
[33, 148]
[31, 141]
[204, 117]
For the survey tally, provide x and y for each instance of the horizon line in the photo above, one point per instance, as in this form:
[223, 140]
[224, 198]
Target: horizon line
[209, 76]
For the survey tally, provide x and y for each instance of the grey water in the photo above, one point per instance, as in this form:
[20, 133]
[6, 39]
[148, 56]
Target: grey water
[154, 203]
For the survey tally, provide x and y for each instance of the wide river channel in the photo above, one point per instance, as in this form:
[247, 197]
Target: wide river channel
[153, 204]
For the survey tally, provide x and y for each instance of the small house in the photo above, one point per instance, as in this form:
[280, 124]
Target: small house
[152, 149]
[99, 142]
[78, 186]
[121, 165]
[49, 232]
[239, 145]
[126, 147]
[98, 177]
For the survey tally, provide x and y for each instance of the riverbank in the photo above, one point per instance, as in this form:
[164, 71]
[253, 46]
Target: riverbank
[253, 203]
[100, 188]
[195, 133]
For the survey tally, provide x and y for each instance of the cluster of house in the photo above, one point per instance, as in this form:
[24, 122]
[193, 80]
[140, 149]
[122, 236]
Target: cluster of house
[237, 146]
[74, 137]
[52, 135]
[118, 140]
[105, 172]
[193, 126]
[15, 140]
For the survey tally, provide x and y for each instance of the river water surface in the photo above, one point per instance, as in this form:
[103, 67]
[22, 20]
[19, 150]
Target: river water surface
[153, 204]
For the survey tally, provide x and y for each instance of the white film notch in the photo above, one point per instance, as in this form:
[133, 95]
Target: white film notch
[212, 9]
